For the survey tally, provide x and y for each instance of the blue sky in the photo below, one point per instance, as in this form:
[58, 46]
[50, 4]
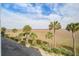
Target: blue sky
[37, 15]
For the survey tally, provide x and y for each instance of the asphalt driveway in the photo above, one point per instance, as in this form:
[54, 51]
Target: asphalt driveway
[12, 48]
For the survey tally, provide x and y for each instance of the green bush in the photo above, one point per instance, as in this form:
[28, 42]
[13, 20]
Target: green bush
[77, 53]
[24, 38]
[22, 43]
[66, 52]
[30, 41]
[12, 38]
[16, 39]
[7, 35]
[39, 42]
[63, 51]
[2, 33]
[45, 48]
[56, 50]
[45, 43]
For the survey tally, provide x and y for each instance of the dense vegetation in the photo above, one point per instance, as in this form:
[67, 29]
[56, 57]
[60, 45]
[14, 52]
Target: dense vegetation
[30, 38]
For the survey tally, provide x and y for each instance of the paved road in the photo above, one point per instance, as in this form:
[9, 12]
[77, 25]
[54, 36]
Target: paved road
[11, 48]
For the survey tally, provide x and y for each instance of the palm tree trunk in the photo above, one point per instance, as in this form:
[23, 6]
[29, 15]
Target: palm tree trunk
[26, 40]
[33, 41]
[54, 40]
[51, 42]
[74, 45]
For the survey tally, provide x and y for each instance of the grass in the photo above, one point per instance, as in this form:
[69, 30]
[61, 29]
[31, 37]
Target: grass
[62, 37]
[65, 50]
[61, 51]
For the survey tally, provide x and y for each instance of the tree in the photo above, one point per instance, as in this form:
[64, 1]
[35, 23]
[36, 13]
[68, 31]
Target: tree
[54, 26]
[33, 36]
[3, 30]
[27, 29]
[14, 30]
[20, 37]
[73, 27]
[49, 35]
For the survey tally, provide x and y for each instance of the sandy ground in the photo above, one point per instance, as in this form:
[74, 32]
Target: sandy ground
[63, 37]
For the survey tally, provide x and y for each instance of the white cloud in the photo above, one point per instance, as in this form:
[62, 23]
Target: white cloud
[30, 9]
[54, 17]
[70, 10]
[36, 19]
[12, 20]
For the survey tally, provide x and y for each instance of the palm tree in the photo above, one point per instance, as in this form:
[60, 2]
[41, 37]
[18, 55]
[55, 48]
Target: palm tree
[49, 35]
[14, 30]
[33, 36]
[27, 29]
[54, 26]
[20, 37]
[73, 27]
[3, 30]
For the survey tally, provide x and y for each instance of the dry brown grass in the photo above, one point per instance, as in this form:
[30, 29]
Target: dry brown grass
[63, 37]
